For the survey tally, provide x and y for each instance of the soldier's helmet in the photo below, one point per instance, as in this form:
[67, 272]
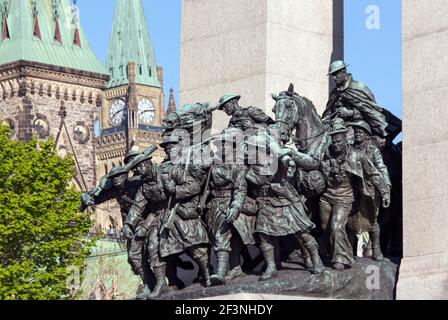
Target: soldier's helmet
[170, 138]
[131, 155]
[226, 98]
[140, 158]
[336, 66]
[338, 128]
[361, 124]
[117, 171]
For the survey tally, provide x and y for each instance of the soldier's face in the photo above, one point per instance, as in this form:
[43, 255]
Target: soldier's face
[170, 150]
[119, 181]
[340, 77]
[230, 107]
[360, 135]
[339, 142]
[145, 168]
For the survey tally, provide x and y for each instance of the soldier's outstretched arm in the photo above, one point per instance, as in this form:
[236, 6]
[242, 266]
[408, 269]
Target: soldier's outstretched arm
[306, 162]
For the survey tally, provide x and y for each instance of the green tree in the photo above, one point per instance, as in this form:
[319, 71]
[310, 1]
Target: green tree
[42, 234]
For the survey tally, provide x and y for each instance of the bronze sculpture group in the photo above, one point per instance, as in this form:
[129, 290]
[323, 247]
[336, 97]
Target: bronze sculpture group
[258, 180]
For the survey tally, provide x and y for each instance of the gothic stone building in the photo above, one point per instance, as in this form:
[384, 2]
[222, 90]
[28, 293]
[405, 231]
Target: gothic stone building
[52, 84]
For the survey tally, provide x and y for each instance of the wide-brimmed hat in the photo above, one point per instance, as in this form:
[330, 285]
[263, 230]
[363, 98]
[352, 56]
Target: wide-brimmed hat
[170, 138]
[361, 124]
[117, 171]
[226, 98]
[338, 128]
[140, 158]
[131, 155]
[336, 66]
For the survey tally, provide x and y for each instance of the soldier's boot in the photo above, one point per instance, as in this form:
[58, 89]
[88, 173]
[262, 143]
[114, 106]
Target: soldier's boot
[377, 255]
[143, 291]
[313, 249]
[161, 285]
[305, 255]
[271, 269]
[203, 266]
[236, 272]
[219, 277]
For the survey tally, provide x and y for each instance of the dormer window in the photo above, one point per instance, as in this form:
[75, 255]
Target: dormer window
[140, 69]
[121, 71]
[76, 38]
[150, 71]
[36, 31]
[57, 32]
[5, 29]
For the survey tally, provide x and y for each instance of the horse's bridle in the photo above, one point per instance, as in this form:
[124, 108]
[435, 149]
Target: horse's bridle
[290, 127]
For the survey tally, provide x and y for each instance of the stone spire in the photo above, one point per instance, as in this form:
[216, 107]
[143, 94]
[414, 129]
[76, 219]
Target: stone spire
[130, 41]
[171, 103]
[45, 31]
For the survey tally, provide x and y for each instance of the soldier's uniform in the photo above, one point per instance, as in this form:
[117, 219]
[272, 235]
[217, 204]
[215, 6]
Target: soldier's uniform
[228, 188]
[245, 118]
[187, 232]
[281, 210]
[357, 97]
[365, 220]
[346, 183]
[125, 197]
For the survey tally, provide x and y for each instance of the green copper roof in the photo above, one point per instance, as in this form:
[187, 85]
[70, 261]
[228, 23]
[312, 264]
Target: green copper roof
[130, 41]
[23, 45]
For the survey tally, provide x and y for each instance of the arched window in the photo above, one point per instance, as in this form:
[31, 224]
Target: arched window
[97, 128]
[150, 71]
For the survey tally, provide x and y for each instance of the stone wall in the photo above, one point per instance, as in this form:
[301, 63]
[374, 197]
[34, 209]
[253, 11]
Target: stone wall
[256, 47]
[40, 94]
[424, 268]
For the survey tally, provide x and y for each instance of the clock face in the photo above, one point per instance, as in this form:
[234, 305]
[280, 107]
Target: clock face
[146, 111]
[117, 112]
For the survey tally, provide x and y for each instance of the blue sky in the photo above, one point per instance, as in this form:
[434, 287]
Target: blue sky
[374, 54]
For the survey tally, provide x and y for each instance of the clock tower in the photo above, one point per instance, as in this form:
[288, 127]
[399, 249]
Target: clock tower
[133, 109]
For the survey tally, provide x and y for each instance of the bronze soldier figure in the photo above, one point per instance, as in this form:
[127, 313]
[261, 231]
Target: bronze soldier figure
[345, 174]
[226, 216]
[181, 229]
[151, 201]
[366, 218]
[281, 209]
[352, 100]
[243, 118]
[124, 189]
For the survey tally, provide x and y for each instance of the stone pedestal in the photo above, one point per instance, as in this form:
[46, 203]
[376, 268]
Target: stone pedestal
[424, 268]
[257, 47]
[366, 280]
